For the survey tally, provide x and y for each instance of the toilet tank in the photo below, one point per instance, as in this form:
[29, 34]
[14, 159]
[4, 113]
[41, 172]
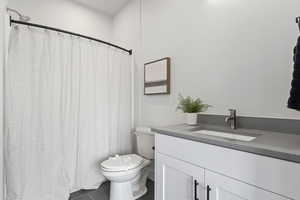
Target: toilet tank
[145, 142]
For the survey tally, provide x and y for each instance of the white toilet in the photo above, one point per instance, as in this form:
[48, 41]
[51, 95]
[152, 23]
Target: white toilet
[128, 173]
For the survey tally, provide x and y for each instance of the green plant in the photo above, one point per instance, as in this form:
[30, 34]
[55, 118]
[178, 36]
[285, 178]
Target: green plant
[190, 105]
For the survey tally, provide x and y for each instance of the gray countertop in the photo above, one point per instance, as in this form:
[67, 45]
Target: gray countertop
[272, 144]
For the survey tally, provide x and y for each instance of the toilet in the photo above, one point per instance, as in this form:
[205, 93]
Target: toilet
[128, 173]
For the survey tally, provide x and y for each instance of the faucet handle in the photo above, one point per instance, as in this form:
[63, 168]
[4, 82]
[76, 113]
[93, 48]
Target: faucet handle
[232, 118]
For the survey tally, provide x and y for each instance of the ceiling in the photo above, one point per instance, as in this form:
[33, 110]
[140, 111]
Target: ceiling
[109, 7]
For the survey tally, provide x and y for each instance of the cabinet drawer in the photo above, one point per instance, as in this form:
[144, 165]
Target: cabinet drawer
[271, 174]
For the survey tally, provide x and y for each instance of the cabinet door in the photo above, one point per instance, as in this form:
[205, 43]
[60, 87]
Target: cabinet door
[220, 187]
[175, 179]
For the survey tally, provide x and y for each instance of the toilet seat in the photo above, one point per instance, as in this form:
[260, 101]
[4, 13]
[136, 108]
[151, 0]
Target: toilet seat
[122, 163]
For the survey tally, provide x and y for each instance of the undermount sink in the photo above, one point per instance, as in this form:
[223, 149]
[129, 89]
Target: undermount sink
[231, 136]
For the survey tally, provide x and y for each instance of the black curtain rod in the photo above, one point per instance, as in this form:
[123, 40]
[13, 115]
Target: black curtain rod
[70, 33]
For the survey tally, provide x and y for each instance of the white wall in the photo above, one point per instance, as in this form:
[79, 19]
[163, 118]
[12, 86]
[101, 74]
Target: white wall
[66, 14]
[232, 54]
[127, 33]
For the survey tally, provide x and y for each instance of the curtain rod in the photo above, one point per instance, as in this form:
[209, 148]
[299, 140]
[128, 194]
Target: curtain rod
[68, 32]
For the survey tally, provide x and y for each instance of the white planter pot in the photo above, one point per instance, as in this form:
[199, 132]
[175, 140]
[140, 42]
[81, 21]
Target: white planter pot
[191, 118]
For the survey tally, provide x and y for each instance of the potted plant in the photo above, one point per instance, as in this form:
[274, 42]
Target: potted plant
[191, 107]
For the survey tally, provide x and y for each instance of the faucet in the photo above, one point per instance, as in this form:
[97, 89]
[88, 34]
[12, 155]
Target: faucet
[231, 118]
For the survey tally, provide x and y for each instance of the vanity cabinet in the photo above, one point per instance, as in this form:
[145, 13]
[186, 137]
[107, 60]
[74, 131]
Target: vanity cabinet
[188, 170]
[225, 188]
[180, 180]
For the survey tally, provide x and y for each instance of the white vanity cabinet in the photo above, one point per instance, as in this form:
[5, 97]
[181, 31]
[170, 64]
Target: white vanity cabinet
[189, 170]
[176, 179]
[225, 188]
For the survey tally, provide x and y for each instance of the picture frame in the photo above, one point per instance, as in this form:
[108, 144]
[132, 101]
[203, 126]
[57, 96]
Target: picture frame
[157, 77]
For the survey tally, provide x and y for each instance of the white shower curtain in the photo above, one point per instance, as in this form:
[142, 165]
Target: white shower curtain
[3, 16]
[67, 108]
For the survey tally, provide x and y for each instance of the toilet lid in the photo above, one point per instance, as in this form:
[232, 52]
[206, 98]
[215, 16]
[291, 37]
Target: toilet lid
[120, 163]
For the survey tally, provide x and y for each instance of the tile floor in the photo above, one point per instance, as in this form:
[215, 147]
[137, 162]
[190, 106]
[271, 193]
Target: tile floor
[103, 193]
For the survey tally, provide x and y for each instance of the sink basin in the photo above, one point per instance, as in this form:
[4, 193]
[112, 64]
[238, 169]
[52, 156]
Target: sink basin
[231, 136]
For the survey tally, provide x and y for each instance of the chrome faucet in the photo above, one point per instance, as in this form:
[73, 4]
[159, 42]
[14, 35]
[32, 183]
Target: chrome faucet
[231, 118]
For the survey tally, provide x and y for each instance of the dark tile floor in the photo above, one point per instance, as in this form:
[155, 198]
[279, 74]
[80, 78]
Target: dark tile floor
[103, 193]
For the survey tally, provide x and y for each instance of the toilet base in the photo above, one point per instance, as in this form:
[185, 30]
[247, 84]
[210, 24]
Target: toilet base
[121, 191]
[140, 193]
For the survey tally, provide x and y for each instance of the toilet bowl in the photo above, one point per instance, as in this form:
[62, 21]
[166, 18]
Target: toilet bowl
[128, 173]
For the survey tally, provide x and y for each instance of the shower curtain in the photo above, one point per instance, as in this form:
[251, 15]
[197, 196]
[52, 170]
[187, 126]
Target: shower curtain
[3, 16]
[67, 108]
